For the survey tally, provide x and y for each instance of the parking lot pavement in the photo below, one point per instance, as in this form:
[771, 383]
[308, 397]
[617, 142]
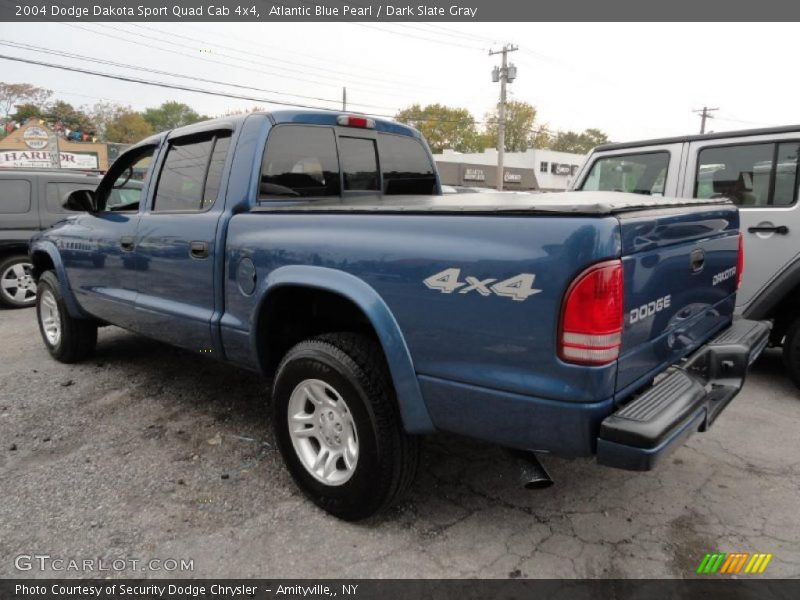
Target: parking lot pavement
[150, 452]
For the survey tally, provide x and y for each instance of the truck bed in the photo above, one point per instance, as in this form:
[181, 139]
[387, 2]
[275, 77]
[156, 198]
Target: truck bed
[558, 203]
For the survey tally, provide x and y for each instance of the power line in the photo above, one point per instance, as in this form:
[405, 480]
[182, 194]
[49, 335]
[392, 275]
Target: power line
[418, 37]
[223, 63]
[733, 120]
[295, 52]
[173, 86]
[262, 57]
[458, 34]
[228, 94]
[169, 74]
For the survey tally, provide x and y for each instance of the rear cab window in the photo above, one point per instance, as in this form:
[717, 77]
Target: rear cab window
[314, 161]
[755, 175]
[644, 173]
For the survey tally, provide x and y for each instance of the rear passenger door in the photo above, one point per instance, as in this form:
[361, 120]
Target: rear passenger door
[175, 244]
[760, 174]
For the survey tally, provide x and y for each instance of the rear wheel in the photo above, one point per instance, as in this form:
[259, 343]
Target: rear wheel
[17, 288]
[67, 339]
[338, 426]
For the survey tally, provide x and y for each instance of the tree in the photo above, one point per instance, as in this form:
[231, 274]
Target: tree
[444, 127]
[70, 117]
[579, 143]
[25, 112]
[103, 113]
[127, 127]
[521, 129]
[12, 94]
[171, 115]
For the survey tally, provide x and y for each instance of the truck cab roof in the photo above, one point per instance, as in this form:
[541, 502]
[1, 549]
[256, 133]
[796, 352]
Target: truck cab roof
[279, 117]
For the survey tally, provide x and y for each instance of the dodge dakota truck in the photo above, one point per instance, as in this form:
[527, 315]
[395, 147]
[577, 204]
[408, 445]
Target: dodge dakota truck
[316, 249]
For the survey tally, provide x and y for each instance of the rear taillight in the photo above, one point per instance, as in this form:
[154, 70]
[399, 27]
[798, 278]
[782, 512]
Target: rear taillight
[590, 332]
[740, 262]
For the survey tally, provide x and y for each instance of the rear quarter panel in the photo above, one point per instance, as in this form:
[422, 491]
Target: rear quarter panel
[484, 340]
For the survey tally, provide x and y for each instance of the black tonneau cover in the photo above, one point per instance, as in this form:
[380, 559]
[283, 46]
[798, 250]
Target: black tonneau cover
[571, 203]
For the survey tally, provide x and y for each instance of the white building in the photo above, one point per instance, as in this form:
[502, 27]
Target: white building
[548, 169]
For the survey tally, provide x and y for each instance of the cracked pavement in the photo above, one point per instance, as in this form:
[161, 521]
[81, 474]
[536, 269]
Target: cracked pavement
[146, 451]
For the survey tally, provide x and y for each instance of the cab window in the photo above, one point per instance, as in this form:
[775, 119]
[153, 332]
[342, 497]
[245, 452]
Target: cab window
[300, 161]
[644, 173]
[359, 164]
[190, 177]
[751, 175]
[128, 173]
[405, 165]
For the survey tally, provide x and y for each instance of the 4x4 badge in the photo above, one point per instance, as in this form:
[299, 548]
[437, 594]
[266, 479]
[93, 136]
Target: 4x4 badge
[519, 288]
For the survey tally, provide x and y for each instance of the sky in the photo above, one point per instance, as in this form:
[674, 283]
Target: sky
[631, 80]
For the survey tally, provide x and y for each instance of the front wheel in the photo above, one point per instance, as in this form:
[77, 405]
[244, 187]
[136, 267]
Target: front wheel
[338, 426]
[67, 339]
[17, 288]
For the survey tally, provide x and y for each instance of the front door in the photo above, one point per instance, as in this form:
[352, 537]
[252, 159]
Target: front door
[761, 176]
[99, 258]
[176, 242]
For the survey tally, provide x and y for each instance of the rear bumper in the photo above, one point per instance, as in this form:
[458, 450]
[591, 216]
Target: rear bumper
[688, 398]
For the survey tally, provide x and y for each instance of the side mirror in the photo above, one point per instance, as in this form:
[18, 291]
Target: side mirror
[80, 201]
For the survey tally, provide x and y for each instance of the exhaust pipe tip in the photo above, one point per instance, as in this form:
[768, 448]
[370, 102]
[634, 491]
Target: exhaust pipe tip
[537, 484]
[533, 475]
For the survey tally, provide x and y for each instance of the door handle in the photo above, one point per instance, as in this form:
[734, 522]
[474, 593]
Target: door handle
[127, 243]
[779, 229]
[198, 249]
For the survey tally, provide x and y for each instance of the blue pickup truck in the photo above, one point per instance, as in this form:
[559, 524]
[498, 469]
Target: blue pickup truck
[316, 249]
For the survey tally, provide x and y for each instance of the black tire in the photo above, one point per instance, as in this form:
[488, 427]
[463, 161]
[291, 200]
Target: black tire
[387, 457]
[17, 288]
[77, 337]
[791, 351]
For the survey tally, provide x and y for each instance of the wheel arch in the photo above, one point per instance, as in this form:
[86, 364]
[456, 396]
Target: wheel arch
[45, 257]
[285, 285]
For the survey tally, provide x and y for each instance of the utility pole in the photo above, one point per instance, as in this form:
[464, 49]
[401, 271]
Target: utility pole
[344, 98]
[504, 74]
[704, 114]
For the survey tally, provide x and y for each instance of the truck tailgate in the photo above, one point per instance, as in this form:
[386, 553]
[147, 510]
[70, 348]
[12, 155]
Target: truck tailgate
[680, 273]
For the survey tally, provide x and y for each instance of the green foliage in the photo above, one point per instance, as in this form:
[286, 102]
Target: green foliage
[171, 115]
[579, 143]
[521, 128]
[127, 126]
[444, 127]
[69, 116]
[25, 112]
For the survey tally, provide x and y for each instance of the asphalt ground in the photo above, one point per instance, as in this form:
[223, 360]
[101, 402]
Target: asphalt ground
[148, 452]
